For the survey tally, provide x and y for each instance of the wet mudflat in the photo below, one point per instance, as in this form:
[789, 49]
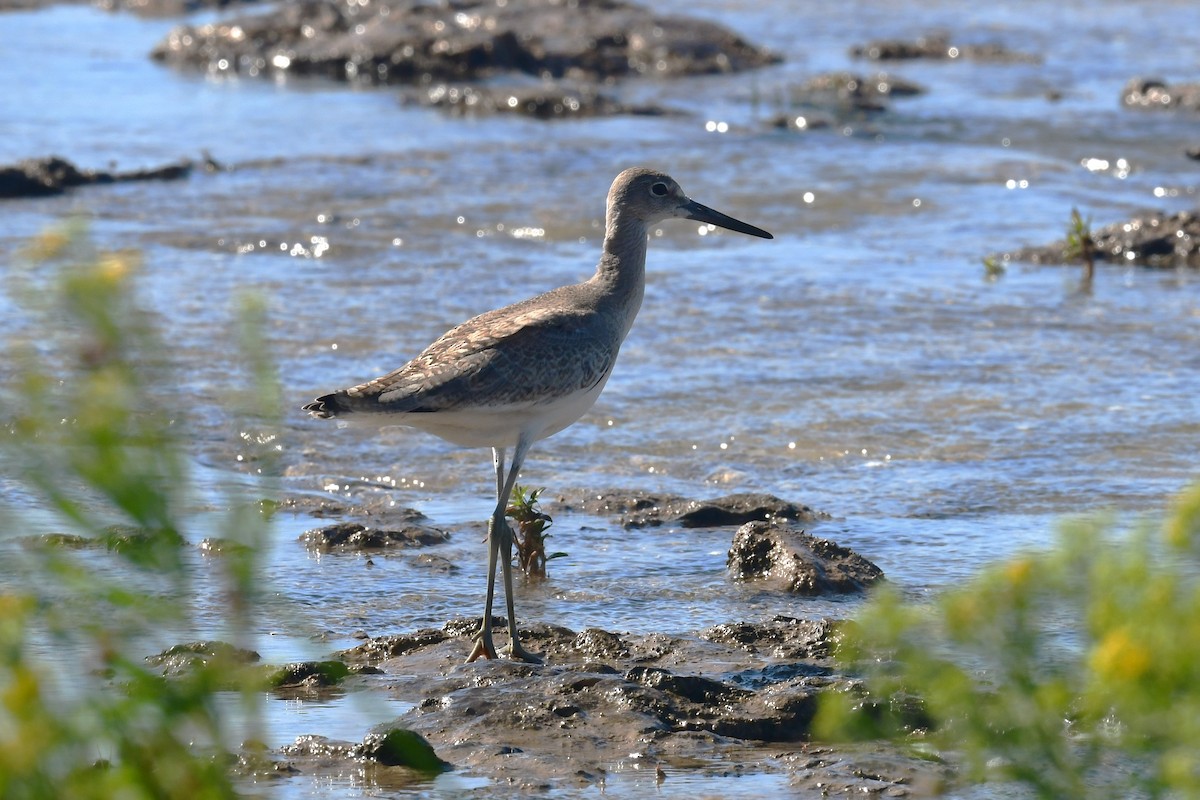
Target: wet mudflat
[866, 365]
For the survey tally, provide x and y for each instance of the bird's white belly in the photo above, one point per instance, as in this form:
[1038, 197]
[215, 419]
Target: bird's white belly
[500, 426]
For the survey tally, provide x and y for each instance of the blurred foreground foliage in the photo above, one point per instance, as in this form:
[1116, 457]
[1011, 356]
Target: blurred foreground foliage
[88, 436]
[1074, 672]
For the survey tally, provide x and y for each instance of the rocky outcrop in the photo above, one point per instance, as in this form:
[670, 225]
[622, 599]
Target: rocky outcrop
[936, 46]
[401, 41]
[655, 700]
[43, 177]
[1154, 93]
[833, 98]
[637, 509]
[544, 101]
[355, 536]
[800, 562]
[1153, 239]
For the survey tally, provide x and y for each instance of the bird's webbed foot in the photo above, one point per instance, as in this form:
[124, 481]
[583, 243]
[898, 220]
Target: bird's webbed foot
[518, 653]
[483, 647]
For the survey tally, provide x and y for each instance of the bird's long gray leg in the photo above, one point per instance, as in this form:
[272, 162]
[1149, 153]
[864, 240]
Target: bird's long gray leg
[515, 650]
[483, 641]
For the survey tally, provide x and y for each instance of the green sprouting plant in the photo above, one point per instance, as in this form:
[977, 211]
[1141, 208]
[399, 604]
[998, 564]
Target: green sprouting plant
[993, 268]
[89, 439]
[1080, 246]
[1075, 672]
[531, 536]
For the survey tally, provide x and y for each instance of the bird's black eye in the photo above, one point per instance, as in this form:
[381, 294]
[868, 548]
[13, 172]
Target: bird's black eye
[659, 189]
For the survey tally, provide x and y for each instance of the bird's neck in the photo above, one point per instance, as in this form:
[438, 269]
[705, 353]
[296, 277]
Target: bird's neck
[621, 274]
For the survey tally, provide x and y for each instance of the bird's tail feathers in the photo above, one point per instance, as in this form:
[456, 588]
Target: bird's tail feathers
[329, 406]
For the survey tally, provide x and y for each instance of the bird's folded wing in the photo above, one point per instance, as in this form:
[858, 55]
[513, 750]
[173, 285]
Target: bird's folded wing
[521, 357]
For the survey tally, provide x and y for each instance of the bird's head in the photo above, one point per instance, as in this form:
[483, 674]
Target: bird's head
[651, 196]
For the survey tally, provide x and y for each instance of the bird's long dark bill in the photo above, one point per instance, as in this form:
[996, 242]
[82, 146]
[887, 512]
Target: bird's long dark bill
[702, 213]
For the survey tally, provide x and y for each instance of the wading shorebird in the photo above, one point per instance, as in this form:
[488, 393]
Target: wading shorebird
[510, 377]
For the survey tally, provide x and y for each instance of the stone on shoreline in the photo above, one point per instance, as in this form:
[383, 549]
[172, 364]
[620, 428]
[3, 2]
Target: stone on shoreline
[801, 562]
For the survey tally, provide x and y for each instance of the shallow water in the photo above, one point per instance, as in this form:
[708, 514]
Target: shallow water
[860, 363]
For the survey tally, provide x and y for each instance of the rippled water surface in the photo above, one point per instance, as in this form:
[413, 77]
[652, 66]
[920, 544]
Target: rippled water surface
[859, 363]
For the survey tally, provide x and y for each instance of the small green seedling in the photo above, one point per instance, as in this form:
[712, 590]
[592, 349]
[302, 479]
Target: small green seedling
[1081, 246]
[531, 533]
[993, 268]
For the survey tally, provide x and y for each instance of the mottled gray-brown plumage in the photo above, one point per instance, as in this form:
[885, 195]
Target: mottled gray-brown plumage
[513, 376]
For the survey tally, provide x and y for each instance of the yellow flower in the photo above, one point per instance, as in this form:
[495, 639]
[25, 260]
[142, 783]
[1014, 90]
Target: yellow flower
[1118, 657]
[1017, 571]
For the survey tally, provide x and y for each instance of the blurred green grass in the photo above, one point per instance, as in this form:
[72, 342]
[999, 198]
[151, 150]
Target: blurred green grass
[87, 435]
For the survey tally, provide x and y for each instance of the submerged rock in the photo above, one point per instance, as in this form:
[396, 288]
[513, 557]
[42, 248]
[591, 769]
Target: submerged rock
[1154, 239]
[181, 659]
[308, 675]
[863, 92]
[1153, 93]
[803, 563]
[355, 536]
[638, 509]
[938, 47]
[399, 747]
[403, 41]
[394, 747]
[547, 101]
[44, 177]
[834, 97]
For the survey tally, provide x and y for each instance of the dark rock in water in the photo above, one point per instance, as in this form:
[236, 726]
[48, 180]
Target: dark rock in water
[308, 675]
[1153, 93]
[353, 536]
[396, 747]
[403, 41]
[938, 47]
[43, 177]
[182, 658]
[548, 101]
[802, 562]
[1154, 240]
[316, 746]
[216, 545]
[40, 177]
[639, 509]
[400, 747]
[61, 541]
[434, 563]
[849, 89]
[1193, 153]
[735, 509]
